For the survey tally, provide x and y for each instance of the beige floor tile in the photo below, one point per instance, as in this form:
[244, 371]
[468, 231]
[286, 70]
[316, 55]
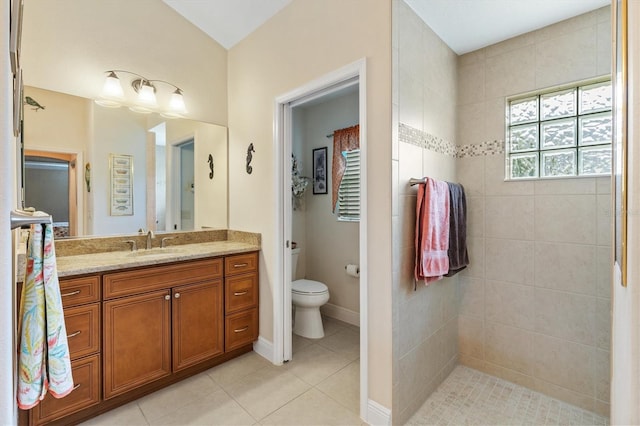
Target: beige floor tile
[127, 415]
[345, 342]
[299, 342]
[312, 408]
[315, 363]
[344, 387]
[164, 401]
[237, 368]
[214, 409]
[266, 390]
[332, 326]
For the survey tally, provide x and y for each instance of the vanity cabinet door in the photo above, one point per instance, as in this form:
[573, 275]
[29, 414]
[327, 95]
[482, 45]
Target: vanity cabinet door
[137, 341]
[198, 328]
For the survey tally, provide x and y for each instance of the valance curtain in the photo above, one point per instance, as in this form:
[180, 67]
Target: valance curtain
[343, 140]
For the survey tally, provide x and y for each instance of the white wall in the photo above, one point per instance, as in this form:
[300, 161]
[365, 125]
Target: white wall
[210, 202]
[625, 380]
[8, 409]
[328, 244]
[67, 45]
[305, 41]
[116, 131]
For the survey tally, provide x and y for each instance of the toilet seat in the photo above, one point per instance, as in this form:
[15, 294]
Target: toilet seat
[309, 287]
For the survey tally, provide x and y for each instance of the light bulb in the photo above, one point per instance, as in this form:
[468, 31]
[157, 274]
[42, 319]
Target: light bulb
[176, 105]
[112, 93]
[147, 95]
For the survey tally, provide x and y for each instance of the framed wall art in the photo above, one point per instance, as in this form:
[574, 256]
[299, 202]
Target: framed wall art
[320, 170]
[121, 200]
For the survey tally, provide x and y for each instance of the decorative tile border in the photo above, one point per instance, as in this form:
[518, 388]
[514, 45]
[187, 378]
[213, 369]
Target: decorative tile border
[480, 149]
[431, 142]
[425, 140]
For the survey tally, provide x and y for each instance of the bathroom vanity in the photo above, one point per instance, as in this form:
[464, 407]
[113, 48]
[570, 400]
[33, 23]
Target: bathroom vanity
[138, 321]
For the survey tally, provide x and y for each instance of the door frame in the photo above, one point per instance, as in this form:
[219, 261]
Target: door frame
[328, 83]
[172, 215]
[76, 187]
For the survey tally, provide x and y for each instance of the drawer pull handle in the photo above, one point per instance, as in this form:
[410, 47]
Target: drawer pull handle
[240, 293]
[240, 330]
[76, 386]
[240, 265]
[69, 336]
[73, 293]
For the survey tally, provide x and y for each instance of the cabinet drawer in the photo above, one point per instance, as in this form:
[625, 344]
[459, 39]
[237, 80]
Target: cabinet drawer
[240, 329]
[241, 263]
[76, 291]
[83, 329]
[160, 277]
[241, 292]
[86, 376]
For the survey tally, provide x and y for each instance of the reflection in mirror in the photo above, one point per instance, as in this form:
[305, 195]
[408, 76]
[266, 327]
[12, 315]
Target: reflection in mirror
[171, 185]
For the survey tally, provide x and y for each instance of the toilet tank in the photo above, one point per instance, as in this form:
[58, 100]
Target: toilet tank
[294, 262]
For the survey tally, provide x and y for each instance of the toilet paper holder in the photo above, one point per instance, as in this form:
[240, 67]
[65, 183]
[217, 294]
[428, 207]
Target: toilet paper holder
[351, 268]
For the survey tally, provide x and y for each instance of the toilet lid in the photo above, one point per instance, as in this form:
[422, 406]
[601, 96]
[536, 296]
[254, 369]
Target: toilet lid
[308, 286]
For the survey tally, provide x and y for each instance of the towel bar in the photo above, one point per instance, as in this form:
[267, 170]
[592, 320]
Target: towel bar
[414, 181]
[20, 218]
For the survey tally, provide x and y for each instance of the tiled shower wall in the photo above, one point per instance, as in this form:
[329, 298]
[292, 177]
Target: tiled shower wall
[535, 304]
[425, 325]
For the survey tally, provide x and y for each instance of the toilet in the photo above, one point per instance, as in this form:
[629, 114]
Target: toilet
[307, 297]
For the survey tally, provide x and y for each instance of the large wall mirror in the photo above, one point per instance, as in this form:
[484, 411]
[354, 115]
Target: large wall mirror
[68, 145]
[177, 176]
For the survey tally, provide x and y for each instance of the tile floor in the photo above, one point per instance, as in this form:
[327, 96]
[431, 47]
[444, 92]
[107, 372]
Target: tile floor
[469, 397]
[320, 386]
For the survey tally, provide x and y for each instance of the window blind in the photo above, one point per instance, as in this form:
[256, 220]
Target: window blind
[349, 190]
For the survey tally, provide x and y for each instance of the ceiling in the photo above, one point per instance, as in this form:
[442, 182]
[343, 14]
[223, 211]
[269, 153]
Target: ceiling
[227, 21]
[464, 25]
[468, 25]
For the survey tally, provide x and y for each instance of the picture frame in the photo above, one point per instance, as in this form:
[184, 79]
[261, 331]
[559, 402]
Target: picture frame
[619, 143]
[320, 171]
[15, 36]
[121, 187]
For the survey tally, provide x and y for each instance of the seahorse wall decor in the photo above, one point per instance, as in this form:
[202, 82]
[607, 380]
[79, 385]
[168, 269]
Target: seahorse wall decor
[210, 166]
[87, 176]
[250, 149]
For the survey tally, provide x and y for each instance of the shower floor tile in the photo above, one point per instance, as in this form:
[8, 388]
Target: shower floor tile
[470, 397]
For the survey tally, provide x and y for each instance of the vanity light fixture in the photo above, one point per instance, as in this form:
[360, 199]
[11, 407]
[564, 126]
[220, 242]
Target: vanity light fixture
[113, 96]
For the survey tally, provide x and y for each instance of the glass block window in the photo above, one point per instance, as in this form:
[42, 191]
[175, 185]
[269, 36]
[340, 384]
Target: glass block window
[560, 133]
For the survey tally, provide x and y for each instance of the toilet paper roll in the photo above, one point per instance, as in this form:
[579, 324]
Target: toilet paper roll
[353, 270]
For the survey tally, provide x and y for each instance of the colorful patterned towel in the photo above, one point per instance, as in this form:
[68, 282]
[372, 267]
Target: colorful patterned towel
[43, 361]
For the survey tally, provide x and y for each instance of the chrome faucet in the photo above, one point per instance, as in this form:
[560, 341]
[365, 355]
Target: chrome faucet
[149, 237]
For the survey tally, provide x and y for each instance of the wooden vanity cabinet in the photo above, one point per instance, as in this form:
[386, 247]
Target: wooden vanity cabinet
[135, 331]
[241, 300]
[80, 299]
[142, 331]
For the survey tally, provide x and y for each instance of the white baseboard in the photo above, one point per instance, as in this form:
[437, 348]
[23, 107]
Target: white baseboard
[264, 348]
[342, 314]
[378, 414]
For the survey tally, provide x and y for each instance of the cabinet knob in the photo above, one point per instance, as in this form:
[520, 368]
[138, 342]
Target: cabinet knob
[177, 295]
[167, 297]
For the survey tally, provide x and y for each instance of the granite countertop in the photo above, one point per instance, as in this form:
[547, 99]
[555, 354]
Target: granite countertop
[101, 254]
[115, 260]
